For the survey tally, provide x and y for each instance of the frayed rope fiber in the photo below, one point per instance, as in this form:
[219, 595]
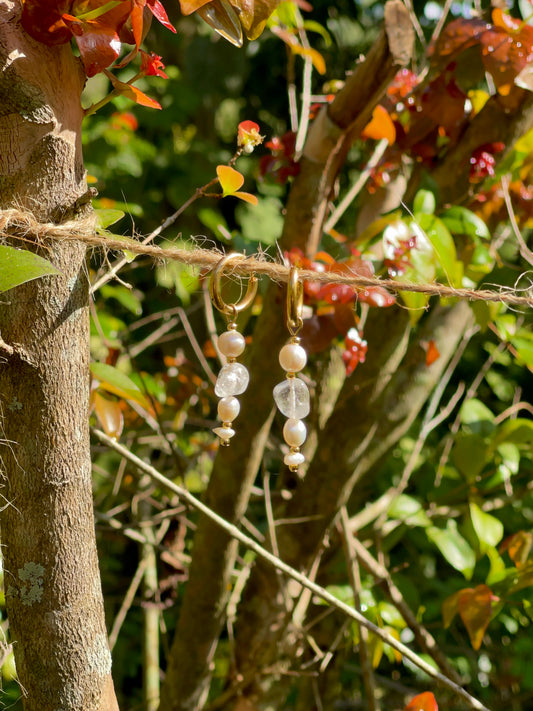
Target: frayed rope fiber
[23, 225]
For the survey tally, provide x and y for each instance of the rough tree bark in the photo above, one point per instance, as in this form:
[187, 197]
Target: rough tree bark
[53, 593]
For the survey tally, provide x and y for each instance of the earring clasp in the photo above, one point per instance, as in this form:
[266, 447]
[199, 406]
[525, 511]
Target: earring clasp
[295, 302]
[215, 290]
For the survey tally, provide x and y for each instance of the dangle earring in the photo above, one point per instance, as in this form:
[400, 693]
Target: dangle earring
[292, 395]
[233, 377]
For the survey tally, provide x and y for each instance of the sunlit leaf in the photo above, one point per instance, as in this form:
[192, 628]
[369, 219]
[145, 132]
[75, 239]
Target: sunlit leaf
[475, 608]
[108, 216]
[380, 126]
[461, 221]
[131, 92]
[220, 15]
[18, 266]
[99, 43]
[229, 178]
[423, 702]
[424, 202]
[442, 241]
[118, 383]
[247, 197]
[109, 414]
[488, 528]
[316, 58]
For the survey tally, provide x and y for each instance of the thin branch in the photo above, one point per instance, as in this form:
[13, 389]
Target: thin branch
[526, 253]
[354, 191]
[422, 636]
[272, 560]
[354, 576]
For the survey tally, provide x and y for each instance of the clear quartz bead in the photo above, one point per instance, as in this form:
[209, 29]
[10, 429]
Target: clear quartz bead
[292, 398]
[233, 379]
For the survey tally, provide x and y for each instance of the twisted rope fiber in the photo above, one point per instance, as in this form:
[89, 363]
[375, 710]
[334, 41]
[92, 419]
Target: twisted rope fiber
[19, 224]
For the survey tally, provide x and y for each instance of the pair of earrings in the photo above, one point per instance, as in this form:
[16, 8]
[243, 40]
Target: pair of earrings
[291, 395]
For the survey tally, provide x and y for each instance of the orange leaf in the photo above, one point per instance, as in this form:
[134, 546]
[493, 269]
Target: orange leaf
[109, 414]
[432, 353]
[190, 6]
[450, 607]
[518, 546]
[475, 608]
[316, 58]
[380, 126]
[131, 92]
[423, 702]
[247, 197]
[229, 178]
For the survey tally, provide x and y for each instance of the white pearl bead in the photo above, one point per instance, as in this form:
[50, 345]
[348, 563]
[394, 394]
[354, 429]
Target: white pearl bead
[293, 459]
[294, 432]
[231, 343]
[292, 358]
[228, 408]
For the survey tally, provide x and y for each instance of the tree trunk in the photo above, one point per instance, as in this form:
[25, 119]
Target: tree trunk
[53, 594]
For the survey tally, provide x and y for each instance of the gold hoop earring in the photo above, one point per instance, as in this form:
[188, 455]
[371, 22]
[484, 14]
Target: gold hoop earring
[292, 395]
[233, 377]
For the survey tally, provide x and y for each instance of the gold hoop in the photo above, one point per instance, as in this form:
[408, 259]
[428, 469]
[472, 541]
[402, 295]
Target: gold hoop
[230, 310]
[295, 302]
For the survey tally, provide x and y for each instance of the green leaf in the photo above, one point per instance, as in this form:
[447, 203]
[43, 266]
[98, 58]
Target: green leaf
[107, 216]
[477, 417]
[424, 203]
[469, 454]
[453, 547]
[461, 221]
[489, 529]
[519, 431]
[524, 348]
[313, 26]
[262, 223]
[18, 266]
[116, 382]
[443, 244]
[128, 298]
[409, 511]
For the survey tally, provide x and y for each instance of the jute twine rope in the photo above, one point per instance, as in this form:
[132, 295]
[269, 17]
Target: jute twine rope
[23, 225]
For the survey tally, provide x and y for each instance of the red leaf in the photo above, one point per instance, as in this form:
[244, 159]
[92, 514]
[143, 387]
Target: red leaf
[42, 20]
[99, 44]
[423, 702]
[475, 608]
[160, 14]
